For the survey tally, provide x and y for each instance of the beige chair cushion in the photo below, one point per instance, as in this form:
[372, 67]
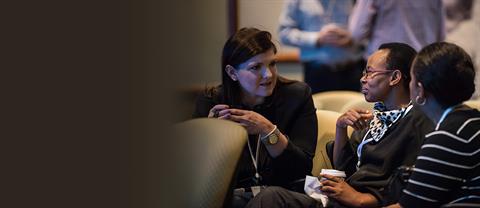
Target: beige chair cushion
[326, 132]
[357, 103]
[473, 104]
[334, 100]
[213, 147]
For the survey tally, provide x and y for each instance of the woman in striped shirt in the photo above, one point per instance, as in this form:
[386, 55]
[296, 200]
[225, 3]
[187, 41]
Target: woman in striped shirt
[447, 170]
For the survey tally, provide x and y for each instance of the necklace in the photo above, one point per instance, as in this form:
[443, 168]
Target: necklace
[255, 159]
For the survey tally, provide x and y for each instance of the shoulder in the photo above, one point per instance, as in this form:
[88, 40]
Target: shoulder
[211, 94]
[462, 117]
[206, 100]
[293, 89]
[460, 127]
[416, 119]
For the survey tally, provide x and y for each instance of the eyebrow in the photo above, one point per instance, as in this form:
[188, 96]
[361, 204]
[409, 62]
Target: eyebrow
[254, 63]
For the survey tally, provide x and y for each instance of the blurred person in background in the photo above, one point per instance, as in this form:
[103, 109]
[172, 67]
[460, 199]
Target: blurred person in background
[466, 34]
[456, 11]
[319, 29]
[416, 23]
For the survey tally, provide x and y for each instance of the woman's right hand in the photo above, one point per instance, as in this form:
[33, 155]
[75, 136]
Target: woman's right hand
[216, 111]
[356, 118]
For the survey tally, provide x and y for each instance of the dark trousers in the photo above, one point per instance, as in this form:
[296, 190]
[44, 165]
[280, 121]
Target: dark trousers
[275, 196]
[321, 77]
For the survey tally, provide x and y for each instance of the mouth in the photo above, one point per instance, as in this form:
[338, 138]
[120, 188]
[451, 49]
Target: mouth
[266, 84]
[364, 91]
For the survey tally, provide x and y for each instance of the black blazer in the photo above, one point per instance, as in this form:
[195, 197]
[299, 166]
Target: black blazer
[291, 108]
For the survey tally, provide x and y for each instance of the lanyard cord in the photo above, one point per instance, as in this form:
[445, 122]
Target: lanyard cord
[365, 140]
[255, 159]
[444, 115]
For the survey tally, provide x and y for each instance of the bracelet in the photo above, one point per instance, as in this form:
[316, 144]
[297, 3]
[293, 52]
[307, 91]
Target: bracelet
[274, 128]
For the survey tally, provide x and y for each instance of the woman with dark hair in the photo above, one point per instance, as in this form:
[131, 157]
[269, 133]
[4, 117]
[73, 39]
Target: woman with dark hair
[277, 113]
[447, 170]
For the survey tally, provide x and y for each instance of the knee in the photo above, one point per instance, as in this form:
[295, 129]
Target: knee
[272, 193]
[272, 190]
[268, 196]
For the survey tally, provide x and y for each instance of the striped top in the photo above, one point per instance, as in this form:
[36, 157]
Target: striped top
[447, 170]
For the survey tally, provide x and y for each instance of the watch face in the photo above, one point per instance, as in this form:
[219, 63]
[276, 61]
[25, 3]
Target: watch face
[273, 139]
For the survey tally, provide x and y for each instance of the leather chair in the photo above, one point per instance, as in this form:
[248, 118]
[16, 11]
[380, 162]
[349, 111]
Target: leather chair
[334, 100]
[473, 104]
[212, 148]
[326, 132]
[357, 103]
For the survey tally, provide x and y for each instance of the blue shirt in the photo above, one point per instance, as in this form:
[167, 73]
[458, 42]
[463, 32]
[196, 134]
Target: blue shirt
[300, 22]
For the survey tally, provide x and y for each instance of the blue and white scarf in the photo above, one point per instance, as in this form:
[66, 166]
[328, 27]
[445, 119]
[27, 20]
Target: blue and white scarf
[382, 120]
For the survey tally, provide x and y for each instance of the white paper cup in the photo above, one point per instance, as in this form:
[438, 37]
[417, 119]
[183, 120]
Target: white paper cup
[333, 172]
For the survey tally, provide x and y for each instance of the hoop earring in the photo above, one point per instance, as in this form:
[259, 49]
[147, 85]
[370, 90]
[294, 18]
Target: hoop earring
[420, 102]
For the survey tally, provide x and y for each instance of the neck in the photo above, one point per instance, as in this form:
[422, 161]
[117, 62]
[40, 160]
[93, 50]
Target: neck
[398, 98]
[251, 100]
[433, 110]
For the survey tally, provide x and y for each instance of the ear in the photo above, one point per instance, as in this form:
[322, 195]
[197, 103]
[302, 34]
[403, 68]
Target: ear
[231, 72]
[420, 90]
[396, 77]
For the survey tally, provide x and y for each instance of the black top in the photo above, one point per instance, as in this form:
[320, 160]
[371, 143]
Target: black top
[290, 107]
[448, 167]
[399, 146]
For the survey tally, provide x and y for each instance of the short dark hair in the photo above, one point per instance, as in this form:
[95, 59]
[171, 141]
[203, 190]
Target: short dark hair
[241, 46]
[446, 72]
[400, 57]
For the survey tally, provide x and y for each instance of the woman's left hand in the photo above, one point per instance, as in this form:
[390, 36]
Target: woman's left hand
[337, 188]
[252, 121]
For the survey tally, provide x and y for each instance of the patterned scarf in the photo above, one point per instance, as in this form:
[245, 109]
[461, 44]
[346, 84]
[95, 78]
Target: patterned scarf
[383, 119]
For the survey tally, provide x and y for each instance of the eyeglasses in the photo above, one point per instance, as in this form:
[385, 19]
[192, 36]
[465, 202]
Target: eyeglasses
[371, 73]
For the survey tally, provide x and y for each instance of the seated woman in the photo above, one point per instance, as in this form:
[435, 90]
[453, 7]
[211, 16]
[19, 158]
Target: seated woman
[447, 170]
[378, 147]
[277, 113]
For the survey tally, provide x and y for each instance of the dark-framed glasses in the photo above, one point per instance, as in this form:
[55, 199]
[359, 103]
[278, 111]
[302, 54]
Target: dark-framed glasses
[370, 72]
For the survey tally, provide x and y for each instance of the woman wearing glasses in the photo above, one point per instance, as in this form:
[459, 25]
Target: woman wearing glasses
[383, 140]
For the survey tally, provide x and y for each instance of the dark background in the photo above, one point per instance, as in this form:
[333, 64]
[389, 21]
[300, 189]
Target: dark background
[87, 99]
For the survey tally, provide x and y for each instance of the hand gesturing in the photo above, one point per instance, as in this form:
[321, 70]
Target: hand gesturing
[357, 119]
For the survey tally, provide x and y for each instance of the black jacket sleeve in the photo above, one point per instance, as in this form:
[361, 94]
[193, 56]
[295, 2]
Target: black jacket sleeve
[347, 160]
[295, 162]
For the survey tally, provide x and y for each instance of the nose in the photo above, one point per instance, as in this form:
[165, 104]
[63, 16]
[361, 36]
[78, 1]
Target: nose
[268, 72]
[363, 79]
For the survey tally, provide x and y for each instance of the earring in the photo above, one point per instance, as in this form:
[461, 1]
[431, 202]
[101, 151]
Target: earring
[234, 79]
[420, 101]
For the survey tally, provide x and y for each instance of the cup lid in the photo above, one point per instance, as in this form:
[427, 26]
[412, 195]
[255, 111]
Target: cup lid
[333, 172]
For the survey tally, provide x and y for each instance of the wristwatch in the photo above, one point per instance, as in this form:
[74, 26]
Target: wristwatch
[271, 138]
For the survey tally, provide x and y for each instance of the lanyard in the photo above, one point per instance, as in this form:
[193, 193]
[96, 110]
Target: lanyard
[255, 159]
[445, 113]
[365, 140]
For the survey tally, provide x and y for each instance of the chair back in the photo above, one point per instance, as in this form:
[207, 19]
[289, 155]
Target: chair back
[357, 103]
[334, 100]
[213, 147]
[327, 121]
[326, 132]
[473, 104]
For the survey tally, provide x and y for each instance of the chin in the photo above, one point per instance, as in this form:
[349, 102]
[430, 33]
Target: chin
[370, 99]
[263, 94]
